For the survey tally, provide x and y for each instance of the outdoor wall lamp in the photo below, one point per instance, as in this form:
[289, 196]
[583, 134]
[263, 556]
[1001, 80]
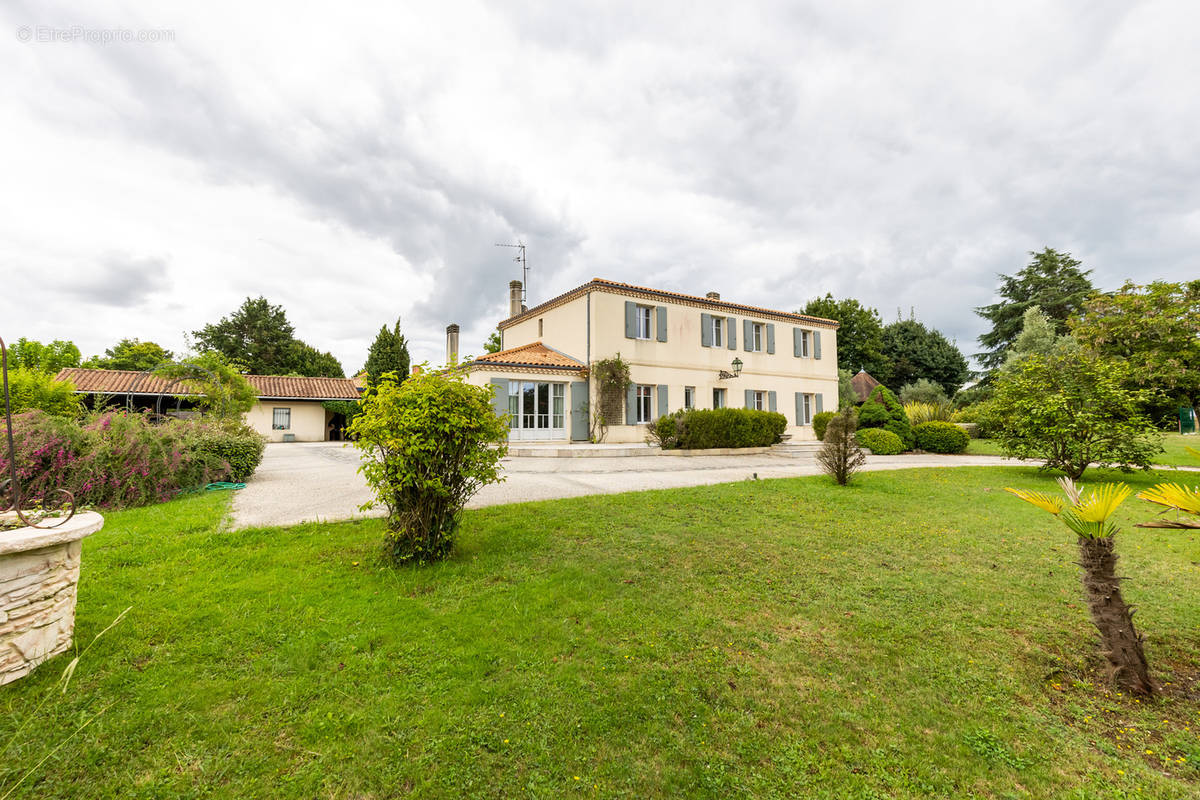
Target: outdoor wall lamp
[737, 369]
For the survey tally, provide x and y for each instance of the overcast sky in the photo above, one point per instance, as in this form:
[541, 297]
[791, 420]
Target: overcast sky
[355, 166]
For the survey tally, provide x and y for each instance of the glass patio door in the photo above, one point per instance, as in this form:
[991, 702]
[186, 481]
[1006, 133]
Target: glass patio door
[537, 410]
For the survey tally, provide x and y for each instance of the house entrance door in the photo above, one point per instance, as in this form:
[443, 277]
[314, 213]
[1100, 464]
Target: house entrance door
[537, 410]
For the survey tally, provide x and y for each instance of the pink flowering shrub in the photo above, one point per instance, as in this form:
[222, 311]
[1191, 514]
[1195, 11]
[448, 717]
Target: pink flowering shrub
[111, 459]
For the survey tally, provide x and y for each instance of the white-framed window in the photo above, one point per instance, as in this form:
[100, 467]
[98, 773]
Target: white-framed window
[718, 398]
[806, 407]
[281, 419]
[689, 397]
[760, 401]
[760, 333]
[643, 403]
[805, 344]
[717, 340]
[643, 322]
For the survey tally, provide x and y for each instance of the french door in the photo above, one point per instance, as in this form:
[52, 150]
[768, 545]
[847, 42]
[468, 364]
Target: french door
[536, 410]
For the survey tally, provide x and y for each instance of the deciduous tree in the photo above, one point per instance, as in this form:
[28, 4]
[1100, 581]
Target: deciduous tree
[132, 354]
[258, 336]
[915, 351]
[859, 335]
[48, 358]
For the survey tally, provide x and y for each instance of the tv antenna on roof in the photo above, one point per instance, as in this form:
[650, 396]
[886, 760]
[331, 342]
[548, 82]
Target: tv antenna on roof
[520, 259]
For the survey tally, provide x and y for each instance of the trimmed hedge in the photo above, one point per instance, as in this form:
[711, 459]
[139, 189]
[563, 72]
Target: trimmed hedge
[240, 447]
[704, 429]
[941, 437]
[820, 422]
[880, 441]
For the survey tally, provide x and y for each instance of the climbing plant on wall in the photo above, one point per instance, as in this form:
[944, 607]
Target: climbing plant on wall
[612, 382]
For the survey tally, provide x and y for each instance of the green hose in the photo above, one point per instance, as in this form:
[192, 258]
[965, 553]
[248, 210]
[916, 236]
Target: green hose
[221, 486]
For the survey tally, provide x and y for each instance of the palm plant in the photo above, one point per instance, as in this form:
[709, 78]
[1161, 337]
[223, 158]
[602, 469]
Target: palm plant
[1089, 518]
[1177, 497]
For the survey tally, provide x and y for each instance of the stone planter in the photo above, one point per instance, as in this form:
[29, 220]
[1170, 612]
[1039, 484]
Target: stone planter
[39, 574]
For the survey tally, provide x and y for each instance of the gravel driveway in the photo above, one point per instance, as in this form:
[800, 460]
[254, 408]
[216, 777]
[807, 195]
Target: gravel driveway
[318, 481]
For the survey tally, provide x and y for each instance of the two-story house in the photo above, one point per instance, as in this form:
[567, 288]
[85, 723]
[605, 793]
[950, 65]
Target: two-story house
[683, 351]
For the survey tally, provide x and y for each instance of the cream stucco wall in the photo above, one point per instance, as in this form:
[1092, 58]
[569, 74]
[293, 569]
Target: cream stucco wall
[564, 328]
[308, 424]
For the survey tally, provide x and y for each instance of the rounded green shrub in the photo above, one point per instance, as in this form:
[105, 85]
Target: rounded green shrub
[941, 437]
[880, 441]
[883, 410]
[820, 422]
[238, 445]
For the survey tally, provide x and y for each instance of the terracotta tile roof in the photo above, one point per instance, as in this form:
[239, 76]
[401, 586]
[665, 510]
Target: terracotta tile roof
[863, 384]
[534, 354]
[600, 284]
[119, 381]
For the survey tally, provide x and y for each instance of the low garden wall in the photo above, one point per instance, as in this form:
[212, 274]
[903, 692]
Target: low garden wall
[39, 575]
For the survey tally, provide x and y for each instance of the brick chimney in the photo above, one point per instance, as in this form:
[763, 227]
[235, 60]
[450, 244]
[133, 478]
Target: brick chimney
[713, 295]
[514, 298]
[452, 344]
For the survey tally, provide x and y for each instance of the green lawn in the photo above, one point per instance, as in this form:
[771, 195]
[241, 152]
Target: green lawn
[919, 634]
[1174, 444]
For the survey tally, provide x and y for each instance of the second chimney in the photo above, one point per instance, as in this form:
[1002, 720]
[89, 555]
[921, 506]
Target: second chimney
[713, 295]
[451, 344]
[514, 298]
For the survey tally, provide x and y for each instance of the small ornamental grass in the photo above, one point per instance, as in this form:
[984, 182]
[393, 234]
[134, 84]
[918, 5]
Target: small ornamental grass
[430, 443]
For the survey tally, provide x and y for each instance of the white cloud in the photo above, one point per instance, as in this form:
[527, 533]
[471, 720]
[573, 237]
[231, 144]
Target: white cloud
[359, 165]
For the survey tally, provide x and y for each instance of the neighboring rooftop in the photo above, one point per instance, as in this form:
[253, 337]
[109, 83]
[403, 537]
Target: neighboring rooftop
[274, 387]
[535, 355]
[602, 285]
[863, 384]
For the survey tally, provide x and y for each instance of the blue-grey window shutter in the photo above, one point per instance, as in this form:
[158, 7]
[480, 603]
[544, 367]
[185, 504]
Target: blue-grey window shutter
[706, 330]
[770, 337]
[500, 395]
[796, 342]
[731, 332]
[748, 334]
[771, 401]
[816, 344]
[579, 411]
[631, 405]
[660, 319]
[820, 397]
[663, 409]
[749, 398]
[631, 330]
[799, 408]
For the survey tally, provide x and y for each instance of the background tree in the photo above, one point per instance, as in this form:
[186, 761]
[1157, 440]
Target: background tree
[388, 353]
[923, 390]
[31, 389]
[258, 336]
[1155, 328]
[131, 354]
[1073, 409]
[915, 351]
[859, 337]
[48, 358]
[1037, 338]
[1052, 281]
[840, 456]
[492, 345]
[223, 391]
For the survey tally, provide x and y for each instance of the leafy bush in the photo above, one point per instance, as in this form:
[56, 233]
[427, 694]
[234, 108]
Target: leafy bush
[1071, 410]
[664, 432]
[819, 423]
[881, 442]
[941, 437]
[31, 390]
[883, 410]
[110, 460]
[702, 429]
[840, 456]
[237, 445]
[429, 443]
[928, 412]
[923, 390]
[983, 414]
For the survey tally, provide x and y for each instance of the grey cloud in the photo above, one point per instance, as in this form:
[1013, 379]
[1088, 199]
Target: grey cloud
[121, 281]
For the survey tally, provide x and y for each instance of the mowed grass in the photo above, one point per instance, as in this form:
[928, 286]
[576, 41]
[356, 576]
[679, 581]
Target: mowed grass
[918, 634]
[1174, 445]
